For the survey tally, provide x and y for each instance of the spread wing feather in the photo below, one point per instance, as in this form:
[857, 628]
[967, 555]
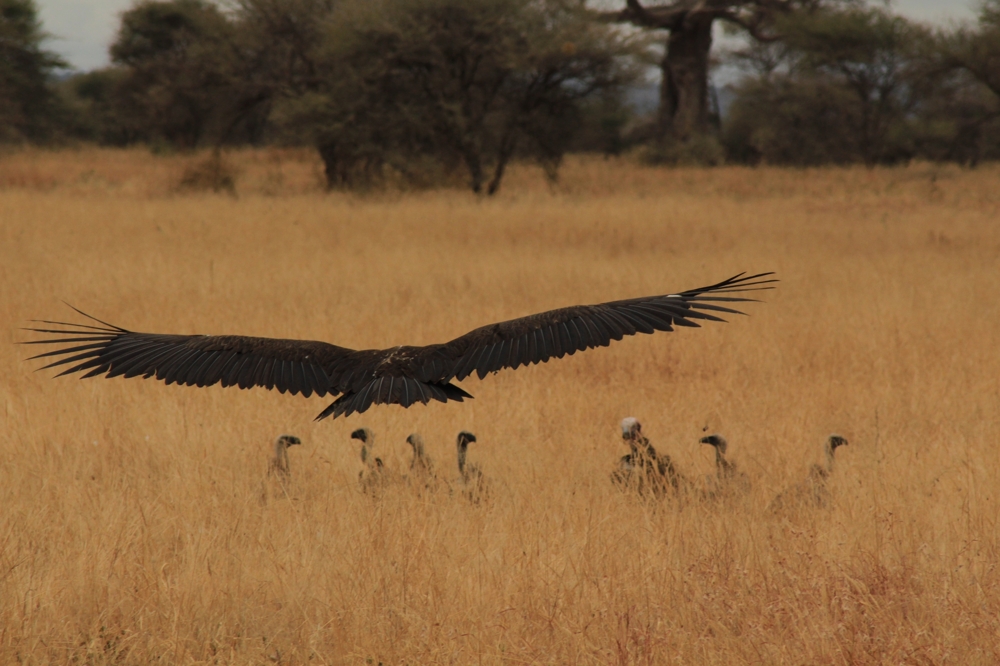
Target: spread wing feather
[296, 366]
[557, 333]
[402, 375]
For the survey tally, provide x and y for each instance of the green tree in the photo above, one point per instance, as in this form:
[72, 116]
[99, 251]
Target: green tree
[437, 85]
[871, 53]
[685, 115]
[99, 112]
[970, 66]
[977, 51]
[793, 121]
[844, 85]
[29, 110]
[419, 88]
[180, 58]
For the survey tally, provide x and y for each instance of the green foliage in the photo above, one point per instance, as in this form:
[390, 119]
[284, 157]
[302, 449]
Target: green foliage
[421, 90]
[870, 54]
[29, 110]
[800, 122]
[603, 121]
[860, 84]
[960, 121]
[435, 91]
[450, 84]
[977, 52]
[180, 59]
[844, 86]
[98, 111]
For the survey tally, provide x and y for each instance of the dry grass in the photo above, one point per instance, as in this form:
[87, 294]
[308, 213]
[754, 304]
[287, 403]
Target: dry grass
[133, 530]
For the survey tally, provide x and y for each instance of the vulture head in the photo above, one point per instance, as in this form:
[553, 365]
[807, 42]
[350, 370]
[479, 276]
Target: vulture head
[831, 445]
[367, 439]
[363, 434]
[834, 441]
[631, 427]
[465, 438]
[417, 442]
[718, 441]
[287, 440]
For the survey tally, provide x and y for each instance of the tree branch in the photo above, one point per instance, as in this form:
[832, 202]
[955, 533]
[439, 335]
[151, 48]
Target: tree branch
[751, 26]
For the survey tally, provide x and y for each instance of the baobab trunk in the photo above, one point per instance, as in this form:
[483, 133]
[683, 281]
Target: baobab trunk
[684, 90]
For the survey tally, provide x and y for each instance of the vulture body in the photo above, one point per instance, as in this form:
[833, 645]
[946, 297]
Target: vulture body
[402, 375]
[475, 487]
[421, 463]
[643, 469]
[421, 466]
[812, 491]
[373, 476]
[728, 479]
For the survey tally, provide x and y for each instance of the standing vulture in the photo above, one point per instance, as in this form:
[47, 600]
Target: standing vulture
[728, 480]
[477, 488]
[279, 464]
[813, 490]
[400, 375]
[642, 468]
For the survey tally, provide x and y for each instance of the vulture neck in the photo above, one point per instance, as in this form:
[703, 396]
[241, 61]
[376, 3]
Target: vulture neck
[828, 449]
[281, 455]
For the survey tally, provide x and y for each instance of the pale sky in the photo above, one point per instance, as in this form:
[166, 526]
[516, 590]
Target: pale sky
[82, 29]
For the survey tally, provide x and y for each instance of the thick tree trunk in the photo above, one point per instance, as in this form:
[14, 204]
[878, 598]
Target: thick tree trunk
[333, 167]
[475, 166]
[684, 91]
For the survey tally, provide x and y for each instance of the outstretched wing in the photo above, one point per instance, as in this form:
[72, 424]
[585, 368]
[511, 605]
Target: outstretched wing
[297, 366]
[402, 375]
[556, 333]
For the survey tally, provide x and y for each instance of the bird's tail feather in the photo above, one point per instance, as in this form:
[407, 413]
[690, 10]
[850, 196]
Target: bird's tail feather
[403, 391]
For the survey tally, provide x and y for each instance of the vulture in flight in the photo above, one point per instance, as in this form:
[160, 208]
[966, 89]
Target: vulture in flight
[398, 376]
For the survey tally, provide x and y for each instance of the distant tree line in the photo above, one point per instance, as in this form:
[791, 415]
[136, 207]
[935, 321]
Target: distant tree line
[860, 84]
[436, 90]
[427, 90]
[28, 107]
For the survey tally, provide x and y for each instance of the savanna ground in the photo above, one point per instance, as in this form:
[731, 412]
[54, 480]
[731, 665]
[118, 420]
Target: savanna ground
[138, 525]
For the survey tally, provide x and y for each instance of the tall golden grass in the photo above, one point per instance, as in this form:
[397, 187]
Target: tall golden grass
[138, 526]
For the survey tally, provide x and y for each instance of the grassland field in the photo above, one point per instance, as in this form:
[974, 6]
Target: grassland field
[138, 525]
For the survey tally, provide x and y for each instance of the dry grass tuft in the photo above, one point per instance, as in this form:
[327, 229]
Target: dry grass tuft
[213, 173]
[133, 529]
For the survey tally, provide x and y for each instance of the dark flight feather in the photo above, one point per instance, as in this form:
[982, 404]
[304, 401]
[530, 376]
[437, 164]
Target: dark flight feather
[400, 375]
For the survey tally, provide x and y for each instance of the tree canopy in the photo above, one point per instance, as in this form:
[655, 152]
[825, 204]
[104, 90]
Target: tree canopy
[29, 110]
[428, 92]
[435, 86]
[179, 57]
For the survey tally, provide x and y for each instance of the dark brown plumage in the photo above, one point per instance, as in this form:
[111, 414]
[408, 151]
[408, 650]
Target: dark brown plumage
[400, 375]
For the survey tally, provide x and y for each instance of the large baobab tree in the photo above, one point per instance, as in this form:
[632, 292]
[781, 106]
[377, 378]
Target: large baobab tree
[683, 111]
